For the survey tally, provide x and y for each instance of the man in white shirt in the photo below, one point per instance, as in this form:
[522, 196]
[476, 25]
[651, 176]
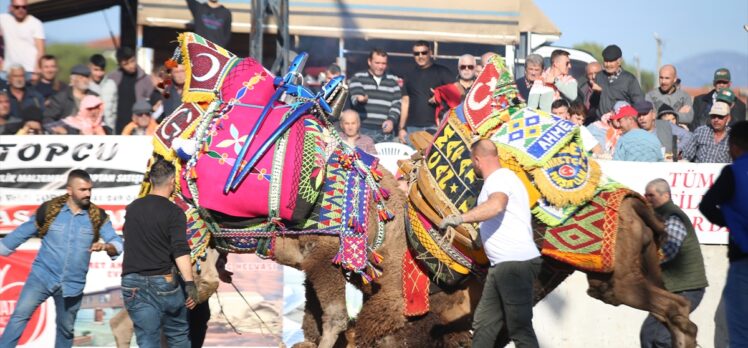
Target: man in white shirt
[503, 211]
[23, 35]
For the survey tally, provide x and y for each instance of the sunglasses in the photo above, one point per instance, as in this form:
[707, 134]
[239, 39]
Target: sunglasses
[20, 7]
[142, 114]
[467, 67]
[420, 53]
[718, 116]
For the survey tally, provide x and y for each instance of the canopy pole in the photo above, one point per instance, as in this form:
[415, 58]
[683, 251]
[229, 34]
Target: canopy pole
[255, 35]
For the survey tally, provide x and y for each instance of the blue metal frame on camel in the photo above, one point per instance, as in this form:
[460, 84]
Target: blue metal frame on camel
[284, 84]
[319, 100]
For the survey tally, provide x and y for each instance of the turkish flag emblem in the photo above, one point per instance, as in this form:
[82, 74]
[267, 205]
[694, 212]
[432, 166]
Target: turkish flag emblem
[479, 102]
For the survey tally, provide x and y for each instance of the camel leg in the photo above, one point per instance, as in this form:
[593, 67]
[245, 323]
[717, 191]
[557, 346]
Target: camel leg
[326, 280]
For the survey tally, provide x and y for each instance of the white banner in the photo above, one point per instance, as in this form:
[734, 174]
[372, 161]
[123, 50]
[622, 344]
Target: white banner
[688, 183]
[33, 169]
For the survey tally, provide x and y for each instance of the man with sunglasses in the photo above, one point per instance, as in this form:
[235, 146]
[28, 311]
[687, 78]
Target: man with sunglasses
[709, 143]
[449, 96]
[23, 35]
[418, 106]
[555, 83]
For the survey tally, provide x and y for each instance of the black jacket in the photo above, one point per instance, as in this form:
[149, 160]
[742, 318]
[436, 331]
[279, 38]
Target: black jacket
[703, 104]
[62, 104]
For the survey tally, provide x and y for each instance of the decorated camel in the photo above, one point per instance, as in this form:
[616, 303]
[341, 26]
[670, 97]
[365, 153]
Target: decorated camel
[261, 169]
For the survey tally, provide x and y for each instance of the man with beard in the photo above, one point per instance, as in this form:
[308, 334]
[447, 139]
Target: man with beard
[21, 94]
[133, 84]
[671, 94]
[66, 103]
[23, 35]
[69, 227]
[503, 211]
[709, 143]
[212, 21]
[449, 96]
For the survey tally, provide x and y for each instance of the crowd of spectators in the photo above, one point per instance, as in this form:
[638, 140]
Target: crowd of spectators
[33, 100]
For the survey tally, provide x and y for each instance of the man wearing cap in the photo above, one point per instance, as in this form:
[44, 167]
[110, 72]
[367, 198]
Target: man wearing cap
[635, 144]
[142, 122]
[616, 83]
[65, 103]
[702, 104]
[669, 93]
[664, 130]
[710, 142]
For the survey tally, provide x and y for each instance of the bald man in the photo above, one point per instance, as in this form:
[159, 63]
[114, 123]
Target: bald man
[682, 263]
[503, 211]
[449, 96]
[350, 124]
[669, 93]
[483, 60]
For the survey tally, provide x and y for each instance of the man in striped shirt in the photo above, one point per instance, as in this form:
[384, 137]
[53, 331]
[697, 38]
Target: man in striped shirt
[376, 97]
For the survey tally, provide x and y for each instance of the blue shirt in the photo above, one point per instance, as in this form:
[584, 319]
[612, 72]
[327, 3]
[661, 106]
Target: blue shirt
[64, 255]
[638, 145]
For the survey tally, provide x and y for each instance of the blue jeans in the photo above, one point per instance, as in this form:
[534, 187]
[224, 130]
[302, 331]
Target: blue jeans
[155, 304]
[655, 334]
[736, 303]
[34, 293]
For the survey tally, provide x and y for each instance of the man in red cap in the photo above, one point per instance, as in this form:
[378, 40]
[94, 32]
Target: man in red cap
[635, 144]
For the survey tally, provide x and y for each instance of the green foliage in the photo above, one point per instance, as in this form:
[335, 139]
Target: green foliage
[68, 55]
[596, 50]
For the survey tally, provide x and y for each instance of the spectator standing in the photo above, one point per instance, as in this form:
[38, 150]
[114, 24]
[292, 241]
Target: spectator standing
[418, 108]
[503, 211]
[87, 121]
[48, 83]
[133, 84]
[616, 84]
[376, 96]
[65, 103]
[635, 144]
[104, 87]
[533, 70]
[212, 21]
[154, 230]
[24, 37]
[142, 122]
[709, 143]
[22, 95]
[449, 96]
[4, 111]
[702, 104]
[726, 205]
[69, 227]
[671, 94]
[350, 124]
[554, 84]
[589, 91]
[682, 263]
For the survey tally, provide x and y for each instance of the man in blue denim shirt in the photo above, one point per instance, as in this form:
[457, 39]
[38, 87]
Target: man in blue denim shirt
[60, 267]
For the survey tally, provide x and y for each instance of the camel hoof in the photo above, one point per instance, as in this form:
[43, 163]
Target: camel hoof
[305, 344]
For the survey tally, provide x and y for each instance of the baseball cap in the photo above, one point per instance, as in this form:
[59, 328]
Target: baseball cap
[626, 111]
[722, 74]
[726, 95]
[666, 109]
[612, 53]
[80, 69]
[618, 105]
[141, 107]
[643, 107]
[720, 109]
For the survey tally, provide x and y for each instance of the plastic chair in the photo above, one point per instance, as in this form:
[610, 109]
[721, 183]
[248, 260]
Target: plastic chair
[389, 153]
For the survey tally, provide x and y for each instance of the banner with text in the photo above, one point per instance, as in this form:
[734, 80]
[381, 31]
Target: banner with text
[688, 183]
[34, 169]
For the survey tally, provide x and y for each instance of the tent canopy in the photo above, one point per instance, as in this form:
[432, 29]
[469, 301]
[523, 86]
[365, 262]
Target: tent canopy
[473, 21]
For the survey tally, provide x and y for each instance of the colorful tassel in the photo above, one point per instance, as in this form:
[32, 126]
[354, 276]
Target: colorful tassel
[377, 257]
[338, 259]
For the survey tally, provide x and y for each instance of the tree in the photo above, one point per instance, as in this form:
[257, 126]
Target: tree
[596, 50]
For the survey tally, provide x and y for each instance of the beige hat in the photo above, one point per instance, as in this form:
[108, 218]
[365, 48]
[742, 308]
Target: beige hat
[720, 109]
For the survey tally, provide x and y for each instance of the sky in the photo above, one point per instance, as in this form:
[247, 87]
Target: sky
[687, 27]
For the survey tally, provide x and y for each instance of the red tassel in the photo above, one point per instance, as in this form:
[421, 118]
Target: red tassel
[377, 257]
[170, 63]
[384, 192]
[337, 259]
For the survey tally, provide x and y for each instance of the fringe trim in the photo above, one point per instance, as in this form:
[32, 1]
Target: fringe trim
[561, 197]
